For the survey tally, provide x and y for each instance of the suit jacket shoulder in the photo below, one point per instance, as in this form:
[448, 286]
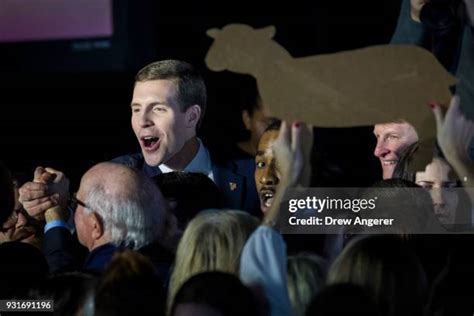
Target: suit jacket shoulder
[235, 179]
[60, 250]
[138, 162]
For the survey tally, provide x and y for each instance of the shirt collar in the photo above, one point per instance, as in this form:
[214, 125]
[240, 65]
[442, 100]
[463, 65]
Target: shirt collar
[200, 163]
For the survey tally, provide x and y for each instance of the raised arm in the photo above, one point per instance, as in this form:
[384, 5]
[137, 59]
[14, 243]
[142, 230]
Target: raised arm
[454, 134]
[292, 151]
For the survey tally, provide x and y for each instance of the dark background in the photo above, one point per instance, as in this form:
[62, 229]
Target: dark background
[70, 110]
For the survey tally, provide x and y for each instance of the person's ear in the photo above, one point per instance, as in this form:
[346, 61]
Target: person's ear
[193, 114]
[97, 226]
[246, 119]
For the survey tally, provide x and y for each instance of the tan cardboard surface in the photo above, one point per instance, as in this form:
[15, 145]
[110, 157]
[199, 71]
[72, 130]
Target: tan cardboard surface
[352, 88]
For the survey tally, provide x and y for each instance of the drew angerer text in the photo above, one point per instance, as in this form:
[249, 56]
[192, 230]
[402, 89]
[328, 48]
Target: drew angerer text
[330, 221]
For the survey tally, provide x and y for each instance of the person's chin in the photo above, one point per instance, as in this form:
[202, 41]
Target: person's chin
[444, 218]
[264, 207]
[153, 159]
[387, 171]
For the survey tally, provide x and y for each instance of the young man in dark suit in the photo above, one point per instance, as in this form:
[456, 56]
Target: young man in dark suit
[168, 105]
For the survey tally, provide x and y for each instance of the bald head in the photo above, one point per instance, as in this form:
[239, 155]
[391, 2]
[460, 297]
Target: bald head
[116, 179]
[129, 204]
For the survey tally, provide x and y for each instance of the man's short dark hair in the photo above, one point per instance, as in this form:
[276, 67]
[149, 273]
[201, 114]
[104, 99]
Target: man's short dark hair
[190, 87]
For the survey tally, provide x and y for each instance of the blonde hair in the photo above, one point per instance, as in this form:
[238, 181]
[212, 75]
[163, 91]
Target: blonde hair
[212, 241]
[306, 276]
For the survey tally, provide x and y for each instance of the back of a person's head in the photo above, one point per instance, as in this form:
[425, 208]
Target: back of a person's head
[188, 193]
[69, 291]
[387, 269]
[222, 293]
[6, 194]
[213, 241]
[23, 266]
[306, 276]
[130, 205]
[129, 286]
[342, 299]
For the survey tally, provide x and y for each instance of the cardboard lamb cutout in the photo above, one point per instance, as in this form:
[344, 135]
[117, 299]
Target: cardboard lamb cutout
[359, 87]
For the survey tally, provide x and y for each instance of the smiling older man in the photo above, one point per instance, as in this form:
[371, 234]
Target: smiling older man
[392, 139]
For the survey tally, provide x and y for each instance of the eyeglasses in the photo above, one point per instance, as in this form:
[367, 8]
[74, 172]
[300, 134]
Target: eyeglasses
[74, 202]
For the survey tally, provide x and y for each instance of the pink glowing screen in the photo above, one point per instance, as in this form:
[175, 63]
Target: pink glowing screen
[39, 20]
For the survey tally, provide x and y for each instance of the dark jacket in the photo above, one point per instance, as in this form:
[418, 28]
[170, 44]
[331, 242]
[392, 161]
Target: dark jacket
[234, 178]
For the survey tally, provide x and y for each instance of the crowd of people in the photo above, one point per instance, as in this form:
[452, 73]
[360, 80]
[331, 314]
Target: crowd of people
[174, 230]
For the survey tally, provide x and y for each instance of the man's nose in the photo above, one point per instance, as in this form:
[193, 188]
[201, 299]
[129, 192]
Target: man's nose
[380, 149]
[21, 221]
[269, 176]
[438, 197]
[145, 119]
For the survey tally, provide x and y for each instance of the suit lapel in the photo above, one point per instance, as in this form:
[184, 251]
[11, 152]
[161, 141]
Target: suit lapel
[231, 184]
[150, 171]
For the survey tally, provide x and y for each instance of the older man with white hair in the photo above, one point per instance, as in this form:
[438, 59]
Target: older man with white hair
[115, 207]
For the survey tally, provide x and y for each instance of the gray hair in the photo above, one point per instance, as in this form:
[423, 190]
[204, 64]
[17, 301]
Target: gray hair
[133, 218]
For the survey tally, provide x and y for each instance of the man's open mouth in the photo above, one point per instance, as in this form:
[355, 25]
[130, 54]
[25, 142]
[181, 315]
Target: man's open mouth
[389, 162]
[267, 196]
[150, 142]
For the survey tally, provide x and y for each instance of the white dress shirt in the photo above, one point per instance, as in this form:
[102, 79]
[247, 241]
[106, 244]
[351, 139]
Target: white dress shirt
[201, 163]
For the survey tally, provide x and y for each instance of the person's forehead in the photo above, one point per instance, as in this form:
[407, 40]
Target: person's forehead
[439, 169]
[401, 127]
[171, 83]
[436, 171]
[267, 138]
[154, 88]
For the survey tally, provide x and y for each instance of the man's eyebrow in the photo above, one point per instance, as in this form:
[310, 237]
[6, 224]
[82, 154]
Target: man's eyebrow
[260, 153]
[150, 104]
